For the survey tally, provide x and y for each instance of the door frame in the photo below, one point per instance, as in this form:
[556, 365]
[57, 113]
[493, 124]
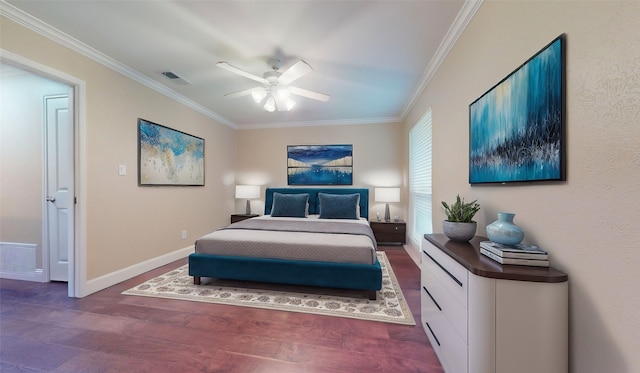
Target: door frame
[77, 284]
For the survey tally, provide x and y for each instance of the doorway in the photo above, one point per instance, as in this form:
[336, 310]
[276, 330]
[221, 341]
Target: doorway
[41, 103]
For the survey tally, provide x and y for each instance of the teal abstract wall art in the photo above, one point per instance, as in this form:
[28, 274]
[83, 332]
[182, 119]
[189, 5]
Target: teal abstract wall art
[516, 129]
[320, 164]
[168, 157]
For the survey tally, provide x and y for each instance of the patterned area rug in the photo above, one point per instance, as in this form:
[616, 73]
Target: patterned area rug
[390, 305]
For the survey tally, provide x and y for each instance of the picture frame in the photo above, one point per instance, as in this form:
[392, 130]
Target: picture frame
[168, 157]
[517, 128]
[320, 164]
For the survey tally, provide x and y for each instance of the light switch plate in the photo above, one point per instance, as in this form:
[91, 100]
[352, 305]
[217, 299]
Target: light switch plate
[122, 170]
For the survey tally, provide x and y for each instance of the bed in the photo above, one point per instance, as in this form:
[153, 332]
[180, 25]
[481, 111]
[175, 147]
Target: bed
[307, 236]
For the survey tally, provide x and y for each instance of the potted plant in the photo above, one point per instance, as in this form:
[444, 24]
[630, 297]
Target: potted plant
[460, 225]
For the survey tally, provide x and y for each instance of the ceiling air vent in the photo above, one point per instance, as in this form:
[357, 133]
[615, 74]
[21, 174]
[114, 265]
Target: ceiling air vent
[175, 78]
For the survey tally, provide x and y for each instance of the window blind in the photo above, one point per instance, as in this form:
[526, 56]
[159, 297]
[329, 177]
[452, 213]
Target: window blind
[420, 194]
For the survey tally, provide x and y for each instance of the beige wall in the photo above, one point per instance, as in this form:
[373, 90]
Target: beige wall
[588, 223]
[127, 224]
[377, 157]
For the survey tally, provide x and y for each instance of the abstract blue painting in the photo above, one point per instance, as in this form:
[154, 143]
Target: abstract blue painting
[516, 129]
[168, 157]
[320, 164]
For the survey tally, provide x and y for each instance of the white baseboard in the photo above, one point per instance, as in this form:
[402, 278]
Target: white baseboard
[36, 276]
[124, 274]
[414, 252]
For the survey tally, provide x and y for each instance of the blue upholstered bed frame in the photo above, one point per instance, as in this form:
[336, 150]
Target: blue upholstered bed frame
[314, 202]
[296, 272]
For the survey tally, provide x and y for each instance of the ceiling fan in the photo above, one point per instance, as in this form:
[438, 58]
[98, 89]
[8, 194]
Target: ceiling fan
[275, 90]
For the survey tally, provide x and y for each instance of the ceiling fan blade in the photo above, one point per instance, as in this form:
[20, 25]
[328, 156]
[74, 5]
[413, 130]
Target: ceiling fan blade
[225, 65]
[295, 72]
[310, 94]
[244, 92]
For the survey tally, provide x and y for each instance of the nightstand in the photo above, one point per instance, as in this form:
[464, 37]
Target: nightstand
[391, 231]
[240, 217]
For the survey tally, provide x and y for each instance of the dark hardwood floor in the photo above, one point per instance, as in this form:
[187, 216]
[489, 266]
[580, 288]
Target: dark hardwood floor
[42, 330]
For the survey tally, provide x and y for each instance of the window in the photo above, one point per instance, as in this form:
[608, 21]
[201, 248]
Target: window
[420, 204]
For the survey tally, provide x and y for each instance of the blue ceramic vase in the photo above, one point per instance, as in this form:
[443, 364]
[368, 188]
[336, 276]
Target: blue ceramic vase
[504, 231]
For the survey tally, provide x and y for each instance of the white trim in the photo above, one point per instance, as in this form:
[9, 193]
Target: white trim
[124, 274]
[77, 259]
[45, 218]
[413, 252]
[35, 276]
[319, 123]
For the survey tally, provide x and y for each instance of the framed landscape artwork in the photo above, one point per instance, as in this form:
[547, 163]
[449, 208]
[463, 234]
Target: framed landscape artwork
[168, 157]
[516, 129]
[320, 164]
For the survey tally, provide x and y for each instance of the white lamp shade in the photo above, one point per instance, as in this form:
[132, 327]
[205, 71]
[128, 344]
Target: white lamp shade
[282, 94]
[248, 191]
[258, 96]
[387, 194]
[270, 105]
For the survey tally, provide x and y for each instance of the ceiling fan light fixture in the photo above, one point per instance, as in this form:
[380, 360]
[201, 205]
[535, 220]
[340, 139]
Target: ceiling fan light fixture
[276, 90]
[270, 105]
[258, 96]
[282, 94]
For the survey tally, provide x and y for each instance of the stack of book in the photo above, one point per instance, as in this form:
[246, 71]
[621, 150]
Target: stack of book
[525, 255]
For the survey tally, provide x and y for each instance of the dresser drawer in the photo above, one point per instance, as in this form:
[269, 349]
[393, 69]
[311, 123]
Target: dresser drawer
[450, 348]
[451, 274]
[390, 227]
[433, 289]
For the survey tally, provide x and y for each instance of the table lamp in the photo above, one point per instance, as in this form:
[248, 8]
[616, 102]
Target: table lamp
[248, 192]
[387, 195]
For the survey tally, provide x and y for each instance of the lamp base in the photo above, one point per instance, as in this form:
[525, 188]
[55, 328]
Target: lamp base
[387, 215]
[248, 210]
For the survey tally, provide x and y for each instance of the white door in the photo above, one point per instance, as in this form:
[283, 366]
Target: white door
[59, 185]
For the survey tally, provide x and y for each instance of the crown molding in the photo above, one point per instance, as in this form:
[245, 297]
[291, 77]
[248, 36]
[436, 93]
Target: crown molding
[320, 123]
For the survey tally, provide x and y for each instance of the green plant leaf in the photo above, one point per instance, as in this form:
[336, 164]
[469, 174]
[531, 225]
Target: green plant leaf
[460, 211]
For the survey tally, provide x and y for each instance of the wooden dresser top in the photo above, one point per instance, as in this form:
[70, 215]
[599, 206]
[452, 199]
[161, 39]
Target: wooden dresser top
[468, 255]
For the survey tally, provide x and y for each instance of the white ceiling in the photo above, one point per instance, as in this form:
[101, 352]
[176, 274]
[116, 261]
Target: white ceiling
[372, 57]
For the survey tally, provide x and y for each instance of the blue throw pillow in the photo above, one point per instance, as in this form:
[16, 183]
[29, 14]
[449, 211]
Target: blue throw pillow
[289, 205]
[339, 206]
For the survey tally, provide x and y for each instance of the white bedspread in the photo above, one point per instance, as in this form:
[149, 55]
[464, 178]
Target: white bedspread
[326, 247]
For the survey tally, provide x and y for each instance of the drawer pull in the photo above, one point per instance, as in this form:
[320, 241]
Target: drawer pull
[444, 269]
[431, 296]
[432, 333]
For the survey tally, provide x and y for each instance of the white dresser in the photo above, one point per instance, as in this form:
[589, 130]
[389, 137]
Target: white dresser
[483, 317]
